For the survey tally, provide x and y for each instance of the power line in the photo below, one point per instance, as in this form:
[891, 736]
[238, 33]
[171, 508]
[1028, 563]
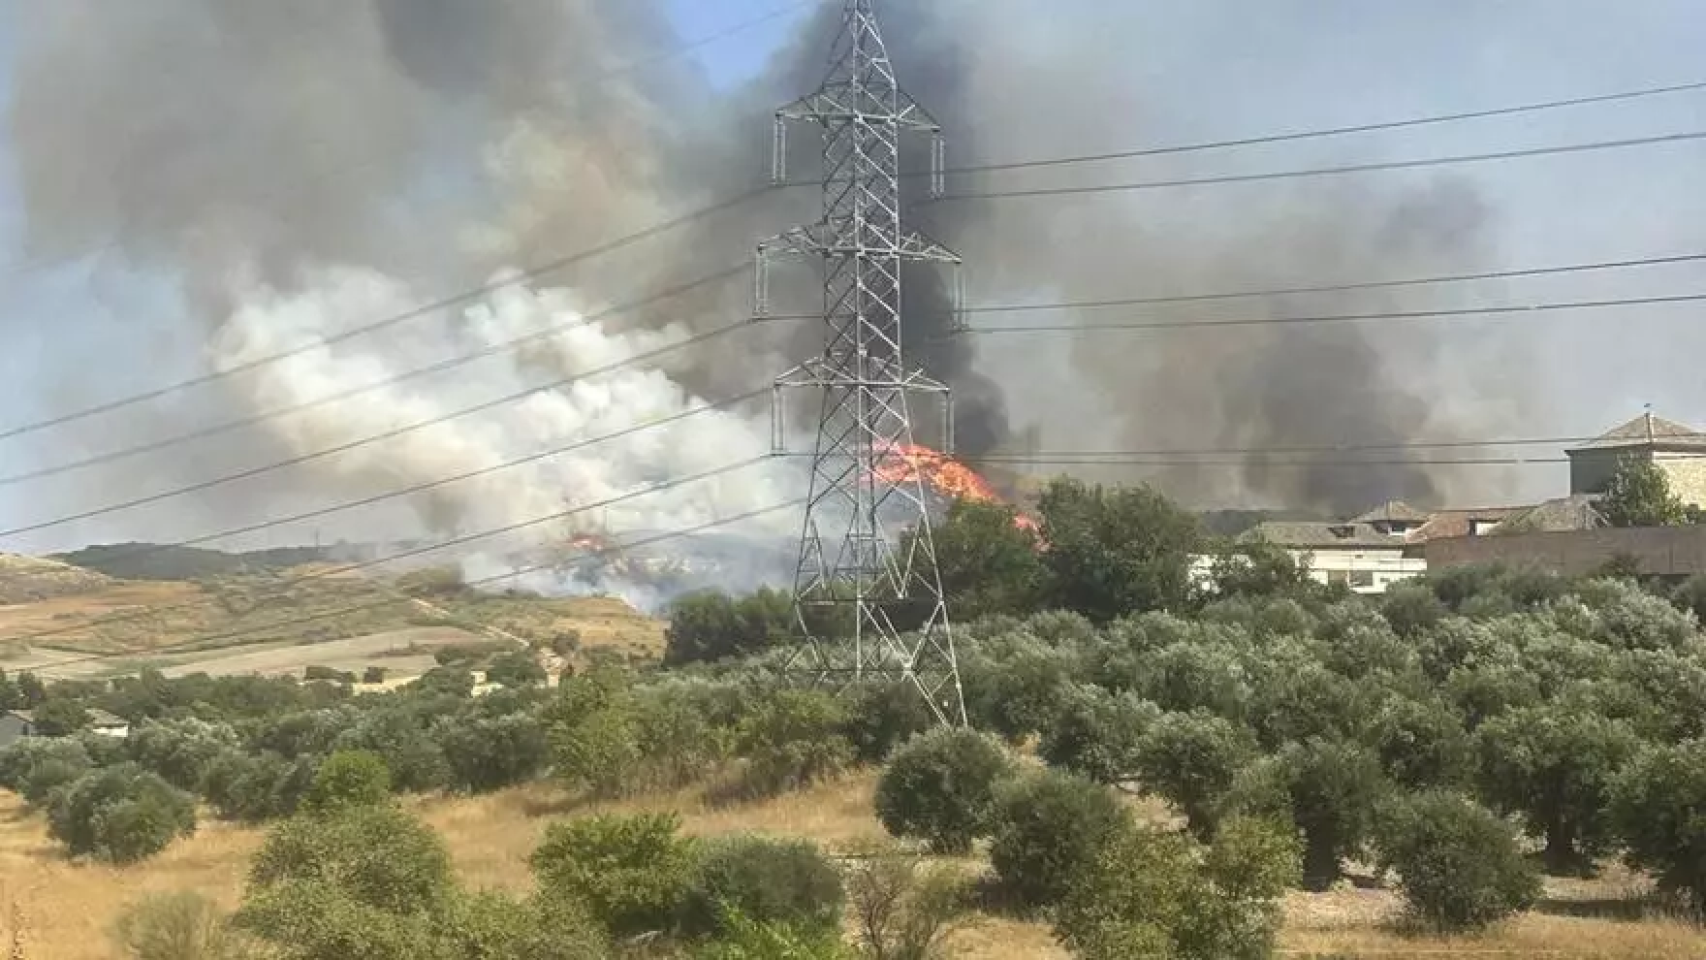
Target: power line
[509, 280]
[146, 550]
[1262, 461]
[375, 438]
[1397, 315]
[202, 642]
[731, 202]
[1668, 138]
[1329, 131]
[1341, 287]
[419, 551]
[459, 360]
[342, 395]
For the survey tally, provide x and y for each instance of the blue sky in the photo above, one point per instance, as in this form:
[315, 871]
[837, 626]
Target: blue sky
[735, 57]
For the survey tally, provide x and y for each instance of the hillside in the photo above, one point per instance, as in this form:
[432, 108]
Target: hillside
[30, 579]
[277, 622]
[152, 561]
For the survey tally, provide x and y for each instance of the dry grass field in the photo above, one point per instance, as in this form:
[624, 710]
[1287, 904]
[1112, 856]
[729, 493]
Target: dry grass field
[282, 623]
[68, 908]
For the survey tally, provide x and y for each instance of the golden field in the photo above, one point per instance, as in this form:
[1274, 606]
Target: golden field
[67, 908]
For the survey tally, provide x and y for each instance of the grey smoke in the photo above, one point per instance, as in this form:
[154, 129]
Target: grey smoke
[241, 144]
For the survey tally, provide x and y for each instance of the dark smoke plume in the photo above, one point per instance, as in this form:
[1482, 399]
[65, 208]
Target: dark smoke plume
[236, 145]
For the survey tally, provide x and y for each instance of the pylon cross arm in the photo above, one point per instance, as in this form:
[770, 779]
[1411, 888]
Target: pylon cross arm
[838, 103]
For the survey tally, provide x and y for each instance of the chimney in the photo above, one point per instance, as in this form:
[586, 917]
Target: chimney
[1650, 437]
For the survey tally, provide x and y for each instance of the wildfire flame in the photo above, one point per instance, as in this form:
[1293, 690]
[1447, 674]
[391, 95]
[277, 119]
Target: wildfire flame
[909, 463]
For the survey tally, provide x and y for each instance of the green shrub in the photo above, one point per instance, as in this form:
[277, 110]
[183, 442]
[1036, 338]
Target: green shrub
[120, 814]
[34, 767]
[1192, 759]
[1328, 790]
[1659, 806]
[766, 880]
[884, 716]
[377, 856]
[179, 926]
[373, 675]
[1554, 765]
[747, 939]
[490, 753]
[1049, 827]
[322, 672]
[940, 788]
[1460, 867]
[516, 669]
[492, 926]
[349, 778]
[1150, 893]
[904, 908]
[1096, 733]
[632, 873]
[792, 739]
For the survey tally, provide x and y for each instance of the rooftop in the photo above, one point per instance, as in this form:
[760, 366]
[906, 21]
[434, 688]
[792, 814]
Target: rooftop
[1304, 535]
[1644, 431]
[1393, 511]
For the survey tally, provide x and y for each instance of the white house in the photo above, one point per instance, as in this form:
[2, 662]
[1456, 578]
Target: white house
[1367, 554]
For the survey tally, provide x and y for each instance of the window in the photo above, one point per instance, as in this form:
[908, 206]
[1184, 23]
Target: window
[1362, 578]
[1336, 577]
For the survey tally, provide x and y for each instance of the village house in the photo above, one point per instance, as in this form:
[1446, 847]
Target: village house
[18, 724]
[1679, 451]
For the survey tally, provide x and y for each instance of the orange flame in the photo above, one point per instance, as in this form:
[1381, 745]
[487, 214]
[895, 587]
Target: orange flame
[908, 463]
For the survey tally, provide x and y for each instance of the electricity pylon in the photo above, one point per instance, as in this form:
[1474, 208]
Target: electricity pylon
[868, 608]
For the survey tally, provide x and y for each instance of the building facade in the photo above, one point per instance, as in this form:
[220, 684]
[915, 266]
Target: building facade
[1678, 450]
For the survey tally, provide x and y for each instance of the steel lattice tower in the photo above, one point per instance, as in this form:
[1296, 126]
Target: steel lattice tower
[883, 600]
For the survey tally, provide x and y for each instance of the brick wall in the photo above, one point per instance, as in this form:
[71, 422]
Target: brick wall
[1660, 551]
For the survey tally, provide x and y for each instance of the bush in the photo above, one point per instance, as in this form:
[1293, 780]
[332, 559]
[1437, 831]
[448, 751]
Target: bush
[883, 716]
[349, 778]
[490, 753]
[516, 669]
[1150, 893]
[791, 740]
[60, 718]
[710, 626]
[1460, 867]
[491, 926]
[766, 880]
[753, 940]
[1554, 766]
[1096, 734]
[940, 788]
[178, 926]
[373, 675]
[377, 856]
[1049, 827]
[182, 752]
[255, 788]
[120, 814]
[1659, 806]
[631, 873]
[36, 766]
[1192, 759]
[1328, 790]
[904, 908]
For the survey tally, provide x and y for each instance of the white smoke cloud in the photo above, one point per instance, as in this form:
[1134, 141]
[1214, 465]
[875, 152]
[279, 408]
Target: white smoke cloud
[559, 406]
